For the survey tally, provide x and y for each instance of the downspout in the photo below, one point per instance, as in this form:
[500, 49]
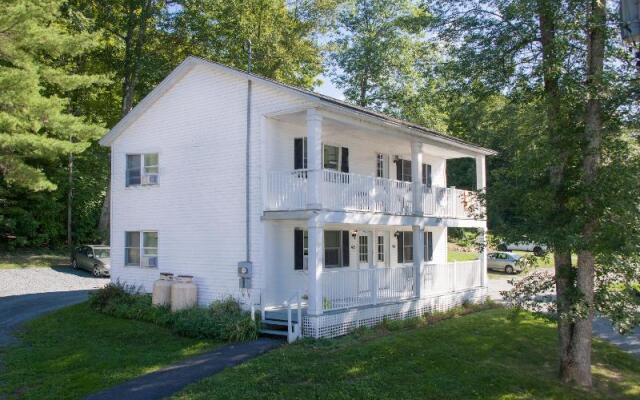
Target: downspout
[248, 161]
[245, 269]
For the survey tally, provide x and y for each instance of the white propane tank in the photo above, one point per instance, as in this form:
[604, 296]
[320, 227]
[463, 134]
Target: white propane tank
[184, 293]
[162, 290]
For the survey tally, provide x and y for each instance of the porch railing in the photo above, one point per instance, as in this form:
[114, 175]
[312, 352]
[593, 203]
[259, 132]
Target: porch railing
[287, 190]
[347, 288]
[451, 277]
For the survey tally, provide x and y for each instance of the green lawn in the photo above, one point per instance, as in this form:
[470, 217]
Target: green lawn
[485, 355]
[462, 256]
[32, 259]
[76, 351]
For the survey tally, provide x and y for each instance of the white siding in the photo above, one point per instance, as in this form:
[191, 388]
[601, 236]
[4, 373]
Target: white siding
[198, 128]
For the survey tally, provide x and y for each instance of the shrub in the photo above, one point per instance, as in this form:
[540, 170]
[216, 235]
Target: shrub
[222, 320]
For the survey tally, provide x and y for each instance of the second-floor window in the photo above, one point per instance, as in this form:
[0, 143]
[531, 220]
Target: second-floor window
[142, 169]
[403, 172]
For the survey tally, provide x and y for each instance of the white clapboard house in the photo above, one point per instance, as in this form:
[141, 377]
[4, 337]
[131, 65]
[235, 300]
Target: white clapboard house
[322, 215]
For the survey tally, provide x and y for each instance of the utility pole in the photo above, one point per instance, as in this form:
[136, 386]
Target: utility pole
[70, 205]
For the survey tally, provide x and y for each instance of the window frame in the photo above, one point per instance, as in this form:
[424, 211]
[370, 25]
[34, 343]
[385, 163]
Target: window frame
[338, 160]
[142, 249]
[380, 256]
[363, 243]
[142, 168]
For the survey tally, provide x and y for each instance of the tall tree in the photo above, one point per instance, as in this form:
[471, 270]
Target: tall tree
[38, 126]
[378, 56]
[554, 58]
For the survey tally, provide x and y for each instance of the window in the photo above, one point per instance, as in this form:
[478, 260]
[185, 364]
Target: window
[428, 246]
[403, 170]
[336, 249]
[426, 175]
[405, 247]
[363, 249]
[132, 248]
[380, 248]
[331, 157]
[142, 169]
[300, 153]
[381, 166]
[141, 248]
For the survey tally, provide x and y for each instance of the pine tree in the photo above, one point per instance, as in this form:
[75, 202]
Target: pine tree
[37, 126]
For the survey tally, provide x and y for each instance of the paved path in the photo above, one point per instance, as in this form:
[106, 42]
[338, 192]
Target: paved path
[40, 280]
[167, 381]
[630, 342]
[15, 310]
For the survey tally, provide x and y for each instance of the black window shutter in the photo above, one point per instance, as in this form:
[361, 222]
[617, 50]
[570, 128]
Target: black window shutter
[429, 246]
[400, 247]
[345, 248]
[298, 245]
[424, 174]
[429, 181]
[398, 169]
[344, 167]
[298, 153]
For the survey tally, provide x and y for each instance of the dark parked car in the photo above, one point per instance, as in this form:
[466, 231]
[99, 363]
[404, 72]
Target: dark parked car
[92, 258]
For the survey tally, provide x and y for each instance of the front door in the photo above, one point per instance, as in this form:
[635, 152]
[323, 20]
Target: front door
[380, 250]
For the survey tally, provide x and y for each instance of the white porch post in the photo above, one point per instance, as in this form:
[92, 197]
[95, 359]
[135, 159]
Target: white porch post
[315, 263]
[481, 176]
[418, 257]
[373, 282]
[483, 257]
[481, 186]
[314, 158]
[416, 177]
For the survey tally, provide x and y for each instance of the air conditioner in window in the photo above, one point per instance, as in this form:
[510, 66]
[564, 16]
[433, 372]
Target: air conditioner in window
[150, 179]
[150, 261]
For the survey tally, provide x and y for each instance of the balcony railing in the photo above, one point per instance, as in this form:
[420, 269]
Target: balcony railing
[339, 191]
[347, 288]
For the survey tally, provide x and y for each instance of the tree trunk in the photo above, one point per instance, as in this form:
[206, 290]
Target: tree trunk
[134, 44]
[574, 336]
[582, 335]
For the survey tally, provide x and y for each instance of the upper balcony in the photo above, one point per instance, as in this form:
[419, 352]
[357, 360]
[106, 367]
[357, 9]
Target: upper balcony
[319, 159]
[340, 191]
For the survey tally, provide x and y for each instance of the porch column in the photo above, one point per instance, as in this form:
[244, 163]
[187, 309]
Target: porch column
[315, 263]
[371, 254]
[481, 176]
[416, 177]
[418, 257]
[483, 257]
[314, 158]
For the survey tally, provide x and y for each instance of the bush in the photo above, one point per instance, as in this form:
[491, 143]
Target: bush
[222, 320]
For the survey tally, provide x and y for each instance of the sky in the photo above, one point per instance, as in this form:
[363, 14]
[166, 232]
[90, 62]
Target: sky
[328, 88]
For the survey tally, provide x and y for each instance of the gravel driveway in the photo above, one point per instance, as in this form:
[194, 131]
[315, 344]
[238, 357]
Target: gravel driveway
[42, 280]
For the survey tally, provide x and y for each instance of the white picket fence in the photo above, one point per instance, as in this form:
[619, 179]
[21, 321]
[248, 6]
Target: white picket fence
[351, 287]
[287, 190]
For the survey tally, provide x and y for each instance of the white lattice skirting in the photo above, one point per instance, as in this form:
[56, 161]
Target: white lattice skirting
[341, 323]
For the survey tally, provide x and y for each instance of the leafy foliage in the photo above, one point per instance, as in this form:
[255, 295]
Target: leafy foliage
[223, 320]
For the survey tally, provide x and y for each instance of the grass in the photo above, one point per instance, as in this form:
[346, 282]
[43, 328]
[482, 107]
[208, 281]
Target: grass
[485, 355]
[76, 351]
[462, 256]
[36, 258]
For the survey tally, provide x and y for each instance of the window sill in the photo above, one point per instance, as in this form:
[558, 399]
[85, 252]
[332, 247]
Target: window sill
[134, 187]
[139, 267]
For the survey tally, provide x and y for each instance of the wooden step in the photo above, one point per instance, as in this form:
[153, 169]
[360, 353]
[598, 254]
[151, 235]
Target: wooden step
[274, 322]
[273, 332]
